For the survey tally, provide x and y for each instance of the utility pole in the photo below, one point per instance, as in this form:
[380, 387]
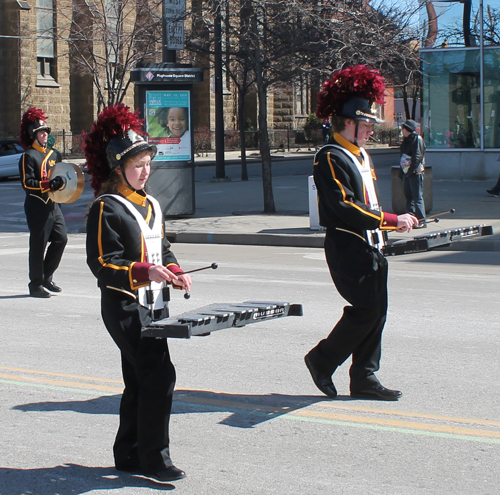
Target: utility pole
[220, 172]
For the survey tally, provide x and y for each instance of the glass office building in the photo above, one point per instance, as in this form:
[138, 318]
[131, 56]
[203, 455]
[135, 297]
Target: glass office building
[460, 48]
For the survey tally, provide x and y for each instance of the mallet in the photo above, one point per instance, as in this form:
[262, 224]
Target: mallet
[440, 214]
[213, 266]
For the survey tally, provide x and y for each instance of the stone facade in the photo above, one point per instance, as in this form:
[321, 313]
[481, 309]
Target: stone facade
[10, 70]
[69, 99]
[22, 88]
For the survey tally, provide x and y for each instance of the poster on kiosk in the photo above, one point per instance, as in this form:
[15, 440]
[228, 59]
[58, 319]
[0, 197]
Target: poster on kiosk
[167, 123]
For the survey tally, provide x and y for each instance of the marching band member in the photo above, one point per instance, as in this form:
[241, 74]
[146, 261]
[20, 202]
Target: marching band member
[128, 253]
[44, 217]
[355, 225]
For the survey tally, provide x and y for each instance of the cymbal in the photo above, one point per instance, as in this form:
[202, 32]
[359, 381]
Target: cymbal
[74, 182]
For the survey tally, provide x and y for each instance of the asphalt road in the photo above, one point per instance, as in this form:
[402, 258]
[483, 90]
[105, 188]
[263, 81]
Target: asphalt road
[247, 417]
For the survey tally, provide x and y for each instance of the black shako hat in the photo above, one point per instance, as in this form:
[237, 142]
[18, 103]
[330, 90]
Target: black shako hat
[33, 120]
[121, 148]
[116, 136]
[359, 109]
[39, 125]
[351, 93]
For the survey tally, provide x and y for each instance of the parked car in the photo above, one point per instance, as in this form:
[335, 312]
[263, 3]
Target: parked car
[10, 153]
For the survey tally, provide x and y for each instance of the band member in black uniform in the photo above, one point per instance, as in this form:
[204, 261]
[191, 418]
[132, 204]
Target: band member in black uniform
[355, 225]
[44, 217]
[128, 253]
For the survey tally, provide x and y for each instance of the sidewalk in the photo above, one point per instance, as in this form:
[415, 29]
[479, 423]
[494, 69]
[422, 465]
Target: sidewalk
[230, 212]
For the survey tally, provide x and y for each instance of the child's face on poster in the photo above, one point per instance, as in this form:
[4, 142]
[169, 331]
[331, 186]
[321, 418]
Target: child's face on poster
[177, 121]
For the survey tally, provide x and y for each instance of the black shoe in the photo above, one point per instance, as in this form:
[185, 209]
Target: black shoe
[166, 474]
[39, 292]
[377, 392]
[52, 287]
[322, 381]
[492, 192]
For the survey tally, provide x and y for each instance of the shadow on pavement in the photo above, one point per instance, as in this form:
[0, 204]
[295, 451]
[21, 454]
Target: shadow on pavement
[458, 257]
[70, 479]
[246, 411]
[107, 404]
[18, 296]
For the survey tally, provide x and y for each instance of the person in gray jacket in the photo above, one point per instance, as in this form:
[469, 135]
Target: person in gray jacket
[412, 162]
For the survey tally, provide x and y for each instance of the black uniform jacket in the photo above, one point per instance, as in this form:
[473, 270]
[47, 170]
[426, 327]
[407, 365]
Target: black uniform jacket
[116, 252]
[342, 197]
[34, 167]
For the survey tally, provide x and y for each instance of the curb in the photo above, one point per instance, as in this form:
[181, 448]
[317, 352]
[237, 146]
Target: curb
[246, 239]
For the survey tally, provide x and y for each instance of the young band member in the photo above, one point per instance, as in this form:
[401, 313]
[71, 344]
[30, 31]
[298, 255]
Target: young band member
[128, 253]
[355, 224]
[44, 217]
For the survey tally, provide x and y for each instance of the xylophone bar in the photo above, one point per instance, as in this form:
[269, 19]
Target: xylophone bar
[438, 238]
[207, 319]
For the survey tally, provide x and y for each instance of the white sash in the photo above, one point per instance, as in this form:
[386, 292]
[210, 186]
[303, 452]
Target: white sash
[374, 237]
[154, 250]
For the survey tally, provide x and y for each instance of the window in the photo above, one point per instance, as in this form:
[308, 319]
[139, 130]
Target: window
[46, 46]
[451, 100]
[461, 104]
[491, 84]
[113, 13]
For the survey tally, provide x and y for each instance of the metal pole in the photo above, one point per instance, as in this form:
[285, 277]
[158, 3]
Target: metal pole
[220, 172]
[481, 74]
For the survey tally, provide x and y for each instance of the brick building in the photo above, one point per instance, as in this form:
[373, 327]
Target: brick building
[37, 68]
[32, 72]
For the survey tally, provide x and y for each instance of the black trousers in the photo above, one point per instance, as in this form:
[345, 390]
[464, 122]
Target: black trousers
[149, 376]
[46, 225]
[360, 275]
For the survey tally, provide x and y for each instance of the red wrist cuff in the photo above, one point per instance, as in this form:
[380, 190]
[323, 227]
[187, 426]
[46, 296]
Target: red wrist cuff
[175, 268]
[389, 221]
[140, 272]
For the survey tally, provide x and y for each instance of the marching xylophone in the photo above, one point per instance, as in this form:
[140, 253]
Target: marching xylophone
[438, 238]
[203, 321]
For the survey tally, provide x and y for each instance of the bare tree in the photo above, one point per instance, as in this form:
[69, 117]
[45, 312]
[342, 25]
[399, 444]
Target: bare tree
[465, 29]
[277, 41]
[383, 35]
[281, 41]
[401, 60]
[236, 65]
[107, 38]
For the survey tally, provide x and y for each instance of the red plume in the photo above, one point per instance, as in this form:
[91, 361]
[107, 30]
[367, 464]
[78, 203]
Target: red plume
[31, 115]
[113, 121]
[358, 81]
